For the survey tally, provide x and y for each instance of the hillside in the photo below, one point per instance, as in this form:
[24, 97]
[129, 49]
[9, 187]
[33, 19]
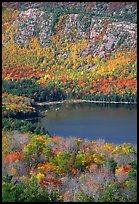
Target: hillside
[84, 51]
[107, 27]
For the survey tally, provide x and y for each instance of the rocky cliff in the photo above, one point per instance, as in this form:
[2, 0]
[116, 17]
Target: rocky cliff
[104, 25]
[82, 50]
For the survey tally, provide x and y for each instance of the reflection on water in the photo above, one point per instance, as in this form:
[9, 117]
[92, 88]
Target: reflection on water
[114, 123]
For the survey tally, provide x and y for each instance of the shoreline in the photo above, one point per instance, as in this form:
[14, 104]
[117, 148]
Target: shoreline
[83, 101]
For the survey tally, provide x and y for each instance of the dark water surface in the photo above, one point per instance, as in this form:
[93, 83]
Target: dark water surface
[113, 123]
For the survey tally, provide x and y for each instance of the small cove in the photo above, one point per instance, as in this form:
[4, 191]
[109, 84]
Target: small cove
[113, 123]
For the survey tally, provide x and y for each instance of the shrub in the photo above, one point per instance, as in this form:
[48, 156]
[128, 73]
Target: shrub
[112, 163]
[111, 193]
[29, 192]
[82, 197]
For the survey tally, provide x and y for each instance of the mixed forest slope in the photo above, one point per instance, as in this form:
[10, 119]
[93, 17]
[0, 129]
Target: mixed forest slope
[78, 50]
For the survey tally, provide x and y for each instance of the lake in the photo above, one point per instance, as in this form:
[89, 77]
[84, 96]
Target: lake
[113, 123]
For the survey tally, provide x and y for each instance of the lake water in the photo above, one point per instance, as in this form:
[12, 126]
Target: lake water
[113, 123]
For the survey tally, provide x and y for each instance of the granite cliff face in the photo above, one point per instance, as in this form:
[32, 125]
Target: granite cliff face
[96, 23]
[82, 50]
